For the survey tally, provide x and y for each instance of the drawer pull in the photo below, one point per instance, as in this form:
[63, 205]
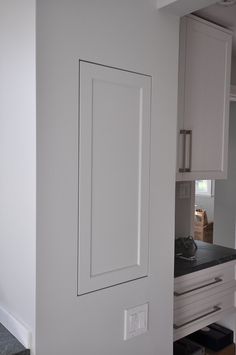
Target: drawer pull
[215, 309]
[216, 281]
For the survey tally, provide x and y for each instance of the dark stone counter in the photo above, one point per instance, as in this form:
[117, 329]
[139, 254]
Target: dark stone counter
[9, 345]
[207, 255]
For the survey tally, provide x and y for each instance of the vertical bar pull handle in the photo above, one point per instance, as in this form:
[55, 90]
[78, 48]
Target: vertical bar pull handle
[186, 154]
[189, 152]
[183, 133]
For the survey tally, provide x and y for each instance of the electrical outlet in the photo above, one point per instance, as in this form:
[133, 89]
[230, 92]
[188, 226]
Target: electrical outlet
[136, 321]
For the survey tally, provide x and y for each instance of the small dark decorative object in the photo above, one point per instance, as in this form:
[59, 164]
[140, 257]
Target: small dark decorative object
[185, 247]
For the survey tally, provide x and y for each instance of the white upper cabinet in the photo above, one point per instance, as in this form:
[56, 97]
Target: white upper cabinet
[114, 165]
[204, 90]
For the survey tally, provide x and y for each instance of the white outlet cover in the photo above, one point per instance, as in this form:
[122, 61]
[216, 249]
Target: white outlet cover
[136, 321]
[184, 190]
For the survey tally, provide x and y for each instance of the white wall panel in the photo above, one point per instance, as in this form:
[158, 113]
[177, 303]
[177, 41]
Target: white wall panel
[18, 164]
[114, 166]
[129, 34]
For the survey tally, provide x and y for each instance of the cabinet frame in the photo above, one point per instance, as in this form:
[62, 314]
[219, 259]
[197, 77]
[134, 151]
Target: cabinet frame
[185, 164]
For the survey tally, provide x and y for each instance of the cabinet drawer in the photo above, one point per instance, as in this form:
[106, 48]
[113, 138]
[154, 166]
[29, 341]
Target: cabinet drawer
[203, 312]
[192, 287]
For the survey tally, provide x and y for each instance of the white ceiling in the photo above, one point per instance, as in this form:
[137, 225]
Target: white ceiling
[224, 16]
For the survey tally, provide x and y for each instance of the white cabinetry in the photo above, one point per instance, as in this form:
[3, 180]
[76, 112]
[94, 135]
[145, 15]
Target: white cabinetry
[114, 156]
[204, 89]
[203, 297]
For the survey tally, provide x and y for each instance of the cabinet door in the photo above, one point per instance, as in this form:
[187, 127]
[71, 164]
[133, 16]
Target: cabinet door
[204, 104]
[114, 166]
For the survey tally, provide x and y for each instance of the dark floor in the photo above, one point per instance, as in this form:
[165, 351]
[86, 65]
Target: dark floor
[9, 345]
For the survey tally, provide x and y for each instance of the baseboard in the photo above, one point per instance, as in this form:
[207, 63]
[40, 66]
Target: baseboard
[22, 334]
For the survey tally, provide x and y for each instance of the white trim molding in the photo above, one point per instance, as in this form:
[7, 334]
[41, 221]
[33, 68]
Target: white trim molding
[19, 330]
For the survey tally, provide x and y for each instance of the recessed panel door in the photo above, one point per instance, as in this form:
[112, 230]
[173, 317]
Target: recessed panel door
[114, 164]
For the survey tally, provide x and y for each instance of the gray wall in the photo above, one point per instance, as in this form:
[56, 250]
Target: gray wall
[184, 209]
[129, 34]
[225, 193]
[17, 160]
[224, 203]
[233, 71]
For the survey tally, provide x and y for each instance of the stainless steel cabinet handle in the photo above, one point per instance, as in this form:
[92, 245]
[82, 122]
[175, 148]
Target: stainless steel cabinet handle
[215, 309]
[183, 132]
[185, 169]
[189, 132]
[216, 281]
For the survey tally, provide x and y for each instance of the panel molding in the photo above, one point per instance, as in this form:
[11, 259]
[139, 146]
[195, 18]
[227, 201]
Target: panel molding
[114, 171]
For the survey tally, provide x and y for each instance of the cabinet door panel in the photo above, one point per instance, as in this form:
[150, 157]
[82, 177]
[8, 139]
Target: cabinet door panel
[205, 104]
[113, 176]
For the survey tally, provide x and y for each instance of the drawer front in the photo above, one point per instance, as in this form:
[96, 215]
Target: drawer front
[203, 312]
[190, 288]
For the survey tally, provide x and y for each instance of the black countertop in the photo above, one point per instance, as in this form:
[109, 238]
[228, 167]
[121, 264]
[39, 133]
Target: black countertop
[207, 255]
[9, 345]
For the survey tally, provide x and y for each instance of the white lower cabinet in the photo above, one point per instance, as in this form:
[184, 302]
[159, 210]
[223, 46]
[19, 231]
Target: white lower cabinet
[203, 297]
